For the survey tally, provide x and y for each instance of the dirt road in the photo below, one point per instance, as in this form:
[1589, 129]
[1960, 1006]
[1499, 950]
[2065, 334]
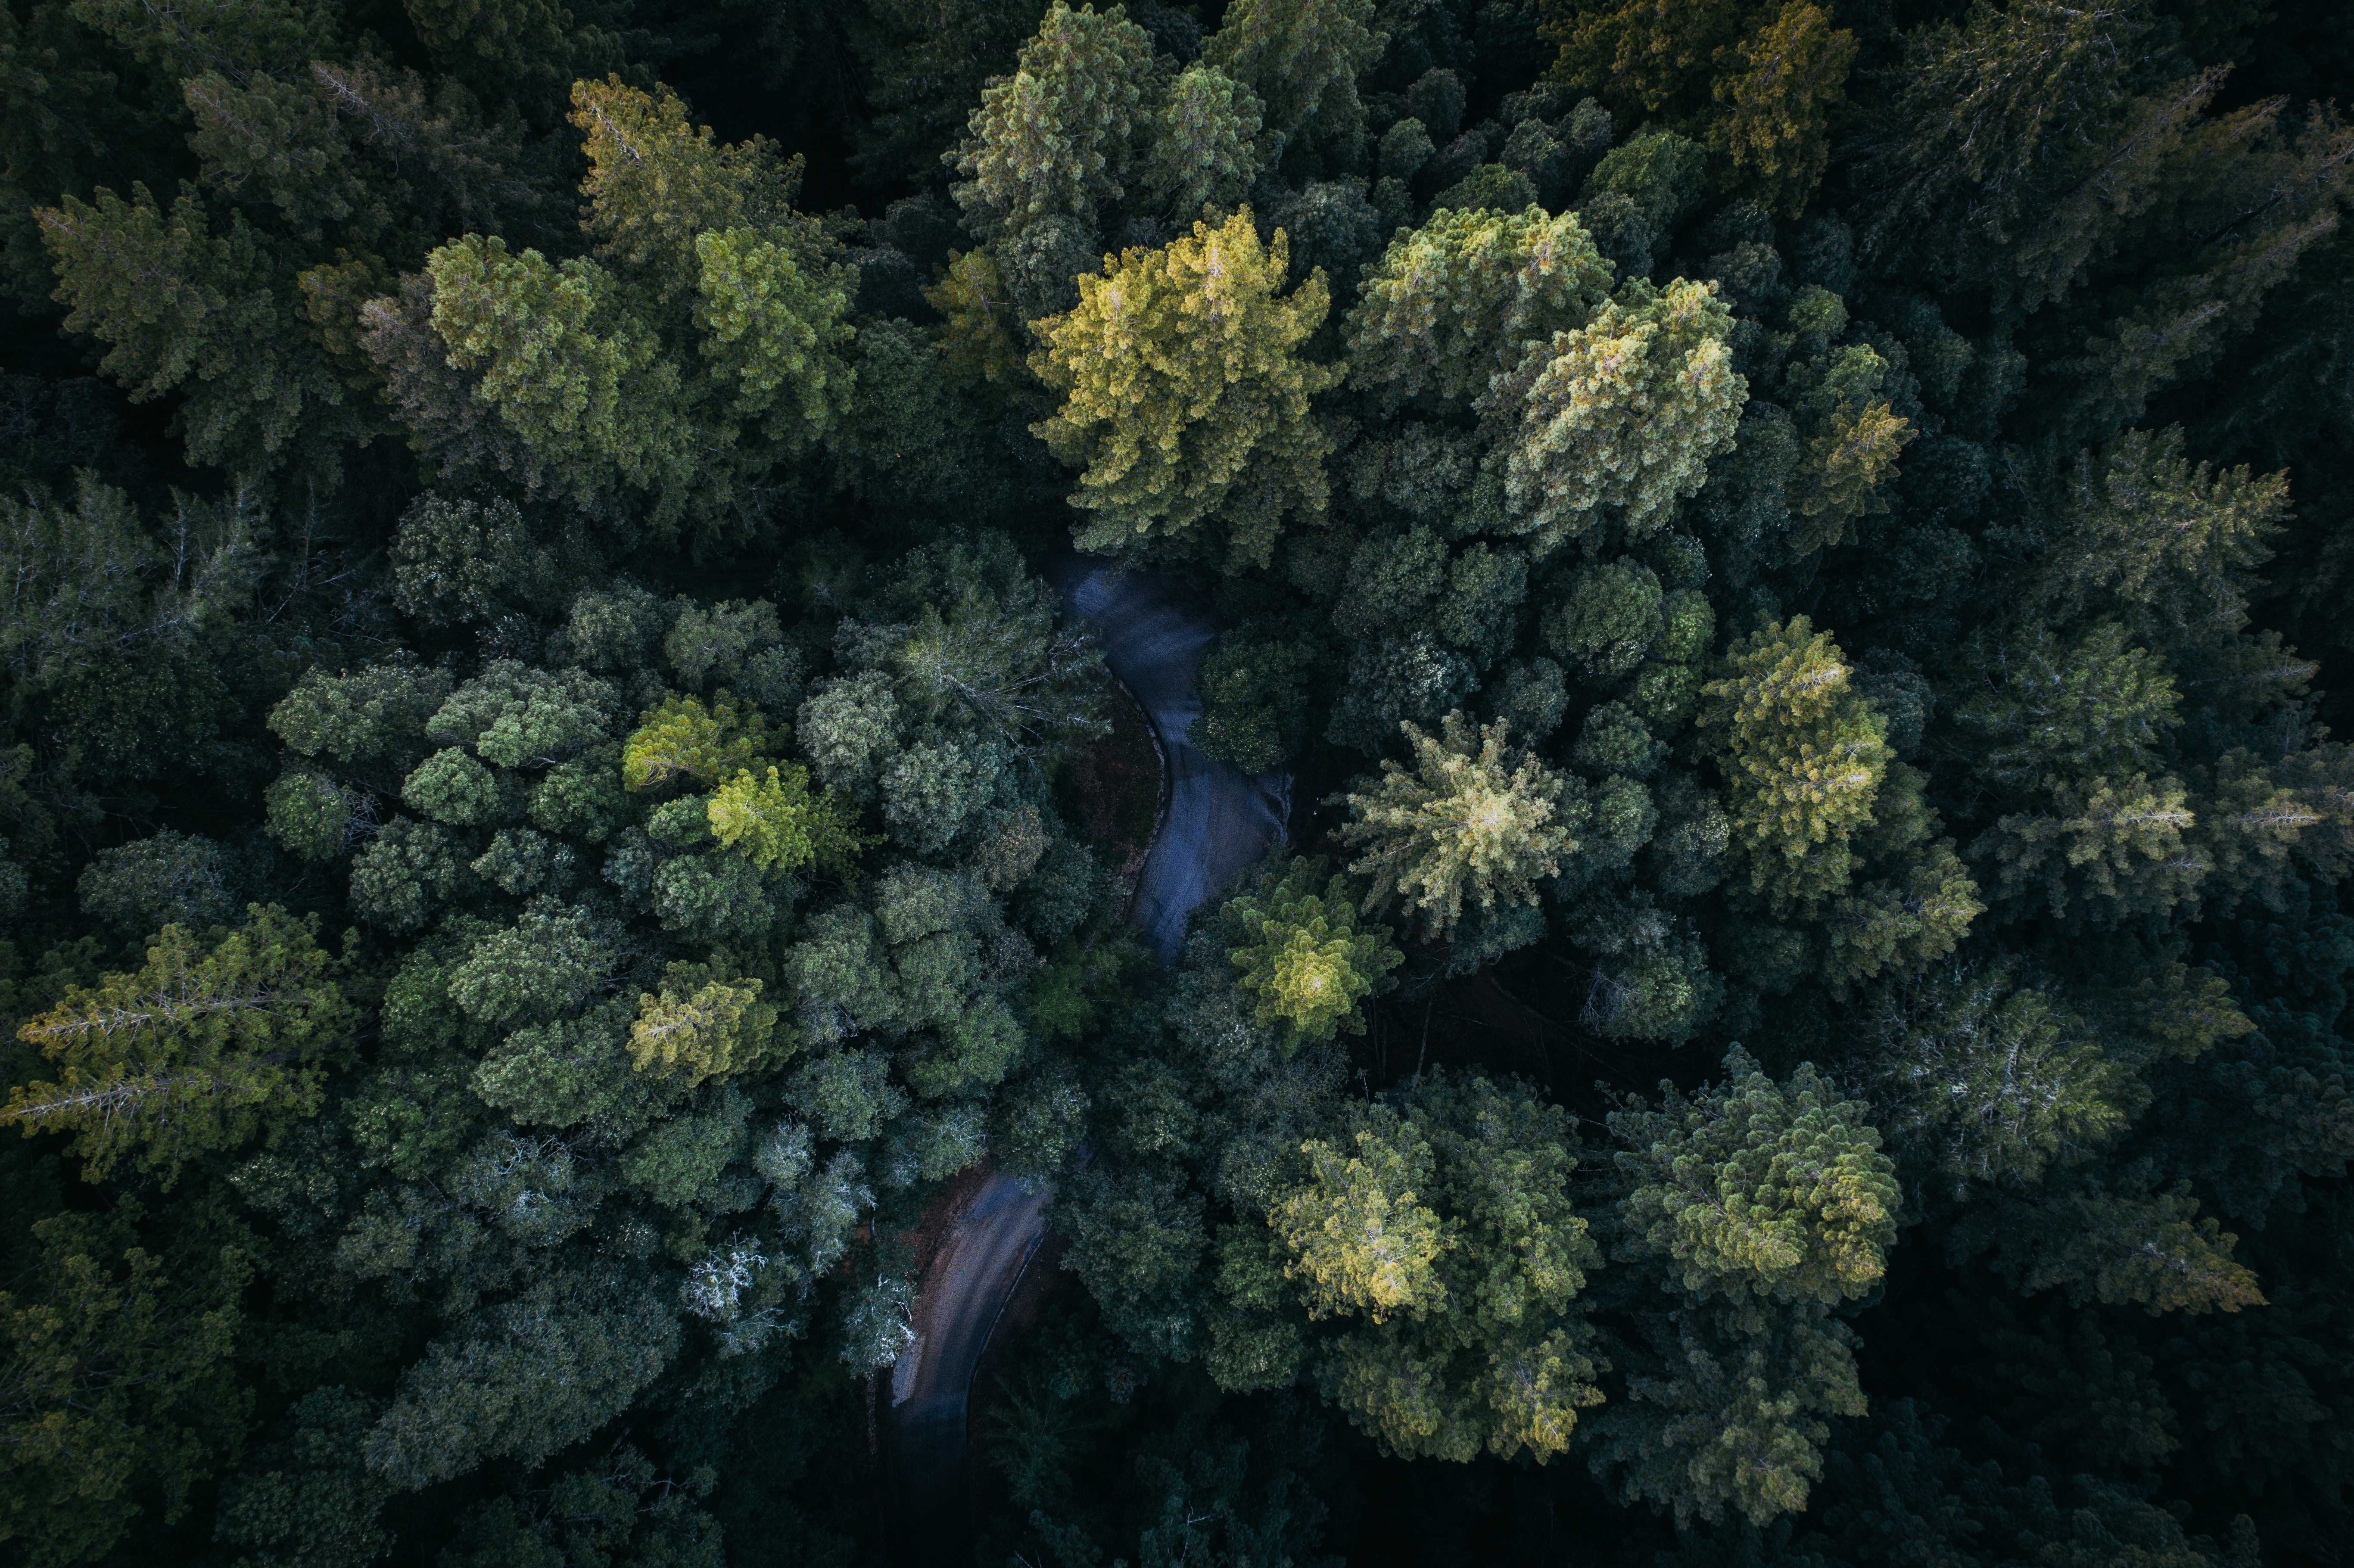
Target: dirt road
[1217, 821]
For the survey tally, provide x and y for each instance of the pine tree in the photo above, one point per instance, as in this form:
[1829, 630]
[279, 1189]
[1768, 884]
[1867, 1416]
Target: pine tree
[1302, 58]
[1061, 136]
[683, 739]
[1618, 418]
[1202, 149]
[773, 822]
[209, 1043]
[1803, 755]
[1471, 820]
[1766, 1205]
[1302, 955]
[1793, 76]
[1440, 1245]
[1185, 400]
[1459, 301]
[701, 1031]
[187, 303]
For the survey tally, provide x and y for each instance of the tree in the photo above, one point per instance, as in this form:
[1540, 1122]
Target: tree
[566, 364]
[523, 1378]
[1803, 755]
[1471, 819]
[1767, 1206]
[659, 185]
[187, 305]
[1622, 414]
[1303, 956]
[1302, 58]
[1204, 142]
[1983, 1078]
[1794, 76]
[684, 739]
[1184, 397]
[1440, 1242]
[1059, 137]
[1458, 302]
[210, 1042]
[774, 823]
[1641, 57]
[714, 1029]
[118, 1359]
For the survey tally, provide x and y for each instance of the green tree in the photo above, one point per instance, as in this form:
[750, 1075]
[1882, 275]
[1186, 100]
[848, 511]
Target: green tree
[188, 304]
[568, 367]
[1060, 136]
[1184, 397]
[208, 1043]
[1472, 819]
[1792, 79]
[1440, 1242]
[1303, 956]
[1204, 142]
[705, 1030]
[1804, 756]
[118, 1361]
[1302, 58]
[1620, 417]
[1458, 302]
[1766, 1205]
[775, 823]
[685, 739]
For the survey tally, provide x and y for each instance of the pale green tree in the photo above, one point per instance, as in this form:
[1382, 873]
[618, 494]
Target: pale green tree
[698, 1031]
[774, 822]
[1303, 956]
[1458, 302]
[1619, 416]
[1472, 819]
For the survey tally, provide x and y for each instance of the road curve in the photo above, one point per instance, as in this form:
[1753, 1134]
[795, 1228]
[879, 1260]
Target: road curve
[1217, 821]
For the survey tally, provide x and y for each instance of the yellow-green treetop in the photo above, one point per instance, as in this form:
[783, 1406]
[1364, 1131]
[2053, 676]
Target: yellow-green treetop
[1185, 399]
[1803, 755]
[1303, 957]
[211, 1041]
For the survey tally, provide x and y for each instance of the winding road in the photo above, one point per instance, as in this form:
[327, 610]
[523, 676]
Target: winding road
[1153, 633]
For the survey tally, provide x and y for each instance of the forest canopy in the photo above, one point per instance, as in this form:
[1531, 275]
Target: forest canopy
[560, 815]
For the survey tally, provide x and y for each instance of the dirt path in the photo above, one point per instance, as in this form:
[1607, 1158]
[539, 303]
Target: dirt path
[1218, 821]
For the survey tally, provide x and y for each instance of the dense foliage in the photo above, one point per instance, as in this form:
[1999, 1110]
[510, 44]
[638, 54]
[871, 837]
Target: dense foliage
[551, 810]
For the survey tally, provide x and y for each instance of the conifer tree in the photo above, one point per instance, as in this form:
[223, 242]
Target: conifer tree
[1061, 136]
[1472, 819]
[209, 1043]
[1457, 301]
[1618, 418]
[1440, 1243]
[1185, 399]
[1302, 58]
[1804, 756]
[1303, 956]
[1767, 1206]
